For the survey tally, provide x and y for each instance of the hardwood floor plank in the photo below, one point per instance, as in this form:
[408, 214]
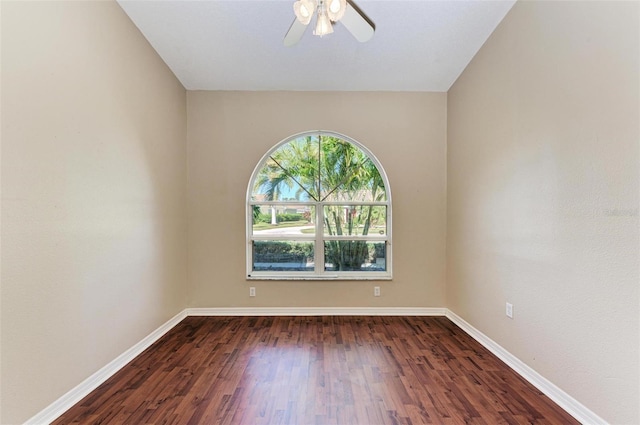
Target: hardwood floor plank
[316, 370]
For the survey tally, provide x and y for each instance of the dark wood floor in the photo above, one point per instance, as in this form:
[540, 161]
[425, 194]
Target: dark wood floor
[316, 370]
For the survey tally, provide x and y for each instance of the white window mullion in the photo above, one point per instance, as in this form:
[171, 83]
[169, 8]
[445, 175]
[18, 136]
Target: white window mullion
[356, 238]
[319, 251]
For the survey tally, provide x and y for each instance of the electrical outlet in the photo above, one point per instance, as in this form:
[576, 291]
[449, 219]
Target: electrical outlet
[376, 291]
[252, 291]
[510, 310]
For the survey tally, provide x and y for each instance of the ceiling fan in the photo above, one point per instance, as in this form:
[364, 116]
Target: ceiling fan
[328, 12]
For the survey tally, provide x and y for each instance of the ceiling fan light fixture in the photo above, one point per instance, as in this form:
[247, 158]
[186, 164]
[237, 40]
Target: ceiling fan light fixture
[304, 10]
[323, 25]
[335, 9]
[328, 12]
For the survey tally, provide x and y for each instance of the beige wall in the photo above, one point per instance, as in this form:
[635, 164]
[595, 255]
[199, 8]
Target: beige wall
[93, 196]
[543, 171]
[228, 132]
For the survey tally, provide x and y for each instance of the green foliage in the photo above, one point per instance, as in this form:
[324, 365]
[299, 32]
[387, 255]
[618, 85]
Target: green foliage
[281, 251]
[256, 212]
[289, 217]
[346, 255]
[263, 218]
[379, 250]
[280, 218]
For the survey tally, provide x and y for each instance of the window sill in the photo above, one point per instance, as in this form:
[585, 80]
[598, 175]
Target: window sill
[320, 278]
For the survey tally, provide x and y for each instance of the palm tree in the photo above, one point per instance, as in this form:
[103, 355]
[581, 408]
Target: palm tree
[290, 167]
[349, 175]
[273, 182]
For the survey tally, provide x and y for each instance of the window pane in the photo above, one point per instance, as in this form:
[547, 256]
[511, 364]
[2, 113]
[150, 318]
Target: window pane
[282, 256]
[364, 192]
[355, 255]
[284, 220]
[347, 173]
[290, 173]
[361, 220]
[342, 170]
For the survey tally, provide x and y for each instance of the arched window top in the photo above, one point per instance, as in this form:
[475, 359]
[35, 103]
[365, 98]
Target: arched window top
[321, 167]
[318, 207]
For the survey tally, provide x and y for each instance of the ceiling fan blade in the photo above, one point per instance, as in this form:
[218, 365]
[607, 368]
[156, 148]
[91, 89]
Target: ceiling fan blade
[357, 23]
[295, 33]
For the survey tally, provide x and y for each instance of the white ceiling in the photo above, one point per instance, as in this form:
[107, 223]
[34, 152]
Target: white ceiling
[418, 45]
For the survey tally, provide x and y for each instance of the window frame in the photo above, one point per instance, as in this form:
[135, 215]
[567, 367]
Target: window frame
[319, 238]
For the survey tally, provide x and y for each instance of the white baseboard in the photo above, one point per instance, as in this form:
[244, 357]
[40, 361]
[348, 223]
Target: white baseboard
[68, 400]
[561, 398]
[564, 400]
[317, 311]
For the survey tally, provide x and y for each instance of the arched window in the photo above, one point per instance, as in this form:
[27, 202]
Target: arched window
[318, 207]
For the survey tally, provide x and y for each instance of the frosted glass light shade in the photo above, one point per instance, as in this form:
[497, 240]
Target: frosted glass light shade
[323, 26]
[335, 9]
[304, 10]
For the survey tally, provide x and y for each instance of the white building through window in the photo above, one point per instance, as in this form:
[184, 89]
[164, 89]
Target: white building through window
[318, 207]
